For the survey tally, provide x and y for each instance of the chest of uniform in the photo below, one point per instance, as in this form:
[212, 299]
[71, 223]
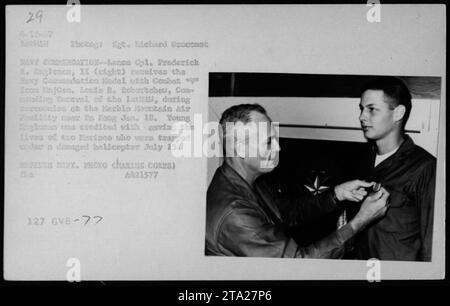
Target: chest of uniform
[398, 177]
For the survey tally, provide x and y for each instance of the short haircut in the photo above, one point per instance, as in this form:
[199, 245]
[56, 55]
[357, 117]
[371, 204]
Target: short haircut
[395, 90]
[238, 113]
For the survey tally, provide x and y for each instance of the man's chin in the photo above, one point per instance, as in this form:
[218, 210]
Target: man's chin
[368, 135]
[268, 166]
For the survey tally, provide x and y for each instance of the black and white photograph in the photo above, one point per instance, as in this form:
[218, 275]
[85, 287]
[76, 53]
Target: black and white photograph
[242, 143]
[354, 176]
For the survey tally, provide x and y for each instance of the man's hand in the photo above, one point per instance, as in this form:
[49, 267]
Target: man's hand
[373, 207]
[352, 191]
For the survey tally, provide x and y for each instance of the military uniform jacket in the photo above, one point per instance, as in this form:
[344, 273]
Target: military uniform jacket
[405, 232]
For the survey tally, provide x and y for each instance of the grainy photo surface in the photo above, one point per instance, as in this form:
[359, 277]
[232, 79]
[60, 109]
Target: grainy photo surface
[355, 167]
[119, 167]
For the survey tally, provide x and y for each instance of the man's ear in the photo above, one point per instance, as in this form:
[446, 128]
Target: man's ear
[240, 148]
[399, 112]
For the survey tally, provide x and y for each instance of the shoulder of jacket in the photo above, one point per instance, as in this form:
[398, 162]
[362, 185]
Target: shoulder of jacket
[423, 156]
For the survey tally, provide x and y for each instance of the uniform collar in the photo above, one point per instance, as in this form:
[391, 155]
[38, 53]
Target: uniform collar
[402, 152]
[406, 147]
[238, 181]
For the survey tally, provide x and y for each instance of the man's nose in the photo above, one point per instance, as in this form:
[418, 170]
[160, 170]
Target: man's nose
[362, 116]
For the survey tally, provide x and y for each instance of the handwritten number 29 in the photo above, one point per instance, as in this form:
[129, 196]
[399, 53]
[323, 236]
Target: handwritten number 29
[35, 16]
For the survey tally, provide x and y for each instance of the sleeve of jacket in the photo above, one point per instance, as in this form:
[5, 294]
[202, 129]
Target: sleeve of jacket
[245, 232]
[298, 210]
[425, 201]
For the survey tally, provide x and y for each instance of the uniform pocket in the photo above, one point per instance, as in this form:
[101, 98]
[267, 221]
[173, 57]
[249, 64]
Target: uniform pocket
[401, 215]
[397, 198]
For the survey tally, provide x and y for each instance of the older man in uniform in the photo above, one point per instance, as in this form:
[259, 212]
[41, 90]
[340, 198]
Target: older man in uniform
[243, 219]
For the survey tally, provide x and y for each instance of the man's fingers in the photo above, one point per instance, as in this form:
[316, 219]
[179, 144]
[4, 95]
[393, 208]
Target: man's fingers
[364, 183]
[377, 195]
[385, 193]
[360, 192]
[352, 197]
[356, 197]
[359, 197]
